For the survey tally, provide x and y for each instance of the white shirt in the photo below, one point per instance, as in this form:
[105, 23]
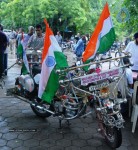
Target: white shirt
[123, 83]
[133, 49]
[59, 39]
[36, 42]
[129, 76]
[12, 35]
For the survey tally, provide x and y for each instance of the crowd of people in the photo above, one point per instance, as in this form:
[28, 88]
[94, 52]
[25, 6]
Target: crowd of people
[9, 43]
[34, 39]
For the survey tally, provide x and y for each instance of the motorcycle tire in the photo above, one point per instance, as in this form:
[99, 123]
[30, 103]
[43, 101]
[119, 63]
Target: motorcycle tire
[42, 114]
[113, 136]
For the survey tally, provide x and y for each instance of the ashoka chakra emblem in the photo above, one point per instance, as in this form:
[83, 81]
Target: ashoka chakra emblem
[50, 61]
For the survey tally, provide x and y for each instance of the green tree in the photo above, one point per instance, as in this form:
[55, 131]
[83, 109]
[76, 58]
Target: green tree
[132, 23]
[78, 16]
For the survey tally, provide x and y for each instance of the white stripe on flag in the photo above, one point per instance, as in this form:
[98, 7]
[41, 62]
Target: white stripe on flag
[25, 61]
[107, 25]
[45, 72]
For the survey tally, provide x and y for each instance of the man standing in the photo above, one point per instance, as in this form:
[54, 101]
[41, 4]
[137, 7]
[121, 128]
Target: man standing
[59, 38]
[27, 37]
[3, 45]
[36, 41]
[80, 46]
[77, 37]
[132, 47]
[20, 37]
[12, 38]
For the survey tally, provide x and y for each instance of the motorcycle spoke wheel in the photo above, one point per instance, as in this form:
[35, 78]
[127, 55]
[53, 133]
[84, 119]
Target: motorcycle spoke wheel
[113, 136]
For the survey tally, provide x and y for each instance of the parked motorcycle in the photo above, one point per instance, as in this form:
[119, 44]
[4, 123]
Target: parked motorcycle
[74, 97]
[96, 96]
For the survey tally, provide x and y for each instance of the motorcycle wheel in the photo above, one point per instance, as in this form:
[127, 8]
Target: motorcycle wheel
[40, 113]
[113, 136]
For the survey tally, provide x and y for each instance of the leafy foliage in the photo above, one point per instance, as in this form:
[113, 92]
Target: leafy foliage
[64, 15]
[132, 24]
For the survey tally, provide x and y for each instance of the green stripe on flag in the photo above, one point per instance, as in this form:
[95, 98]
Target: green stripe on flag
[61, 60]
[53, 82]
[20, 51]
[24, 70]
[107, 41]
[51, 87]
[85, 68]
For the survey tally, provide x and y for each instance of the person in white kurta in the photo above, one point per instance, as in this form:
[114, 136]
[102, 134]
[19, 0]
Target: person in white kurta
[132, 47]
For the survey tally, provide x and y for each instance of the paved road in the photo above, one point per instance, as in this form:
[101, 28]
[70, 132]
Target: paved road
[21, 129]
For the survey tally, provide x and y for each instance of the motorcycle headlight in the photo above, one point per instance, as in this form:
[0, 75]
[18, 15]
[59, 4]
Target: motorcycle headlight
[104, 92]
[108, 103]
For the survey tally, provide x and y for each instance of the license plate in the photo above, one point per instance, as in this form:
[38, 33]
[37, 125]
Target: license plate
[99, 86]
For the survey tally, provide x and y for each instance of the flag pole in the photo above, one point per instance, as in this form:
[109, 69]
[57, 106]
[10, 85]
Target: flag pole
[96, 62]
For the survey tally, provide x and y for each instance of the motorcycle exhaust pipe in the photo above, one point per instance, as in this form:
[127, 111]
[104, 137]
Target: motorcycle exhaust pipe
[34, 104]
[42, 108]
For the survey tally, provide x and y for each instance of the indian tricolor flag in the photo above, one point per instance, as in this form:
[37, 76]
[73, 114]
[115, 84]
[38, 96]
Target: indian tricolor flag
[21, 52]
[52, 59]
[102, 37]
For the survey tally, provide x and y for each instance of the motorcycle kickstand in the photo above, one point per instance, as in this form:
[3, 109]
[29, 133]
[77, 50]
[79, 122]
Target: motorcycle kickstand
[60, 123]
[68, 123]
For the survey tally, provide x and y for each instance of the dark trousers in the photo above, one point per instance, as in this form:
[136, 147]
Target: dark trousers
[5, 62]
[1, 63]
